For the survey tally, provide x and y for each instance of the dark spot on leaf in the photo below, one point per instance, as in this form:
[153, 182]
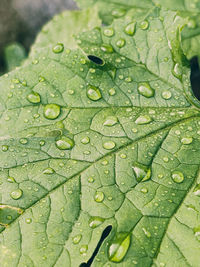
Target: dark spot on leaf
[96, 60]
[105, 233]
[195, 77]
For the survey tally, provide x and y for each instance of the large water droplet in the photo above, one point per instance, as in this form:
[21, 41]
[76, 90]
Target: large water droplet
[109, 145]
[48, 171]
[76, 239]
[107, 48]
[109, 32]
[186, 140]
[93, 93]
[119, 247]
[121, 43]
[110, 121]
[58, 48]
[16, 194]
[99, 196]
[177, 177]
[95, 222]
[51, 111]
[34, 98]
[65, 143]
[143, 119]
[146, 90]
[141, 172]
[130, 28]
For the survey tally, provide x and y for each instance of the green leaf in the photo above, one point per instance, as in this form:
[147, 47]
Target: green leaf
[87, 145]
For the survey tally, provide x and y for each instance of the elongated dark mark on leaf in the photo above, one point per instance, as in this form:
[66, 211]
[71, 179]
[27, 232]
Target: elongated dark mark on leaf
[105, 233]
[195, 77]
[96, 60]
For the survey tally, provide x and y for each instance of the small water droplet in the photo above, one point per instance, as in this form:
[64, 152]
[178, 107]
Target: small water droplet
[65, 143]
[23, 141]
[112, 91]
[28, 220]
[83, 249]
[110, 121]
[141, 172]
[93, 93]
[99, 196]
[109, 145]
[143, 119]
[186, 140]
[48, 170]
[130, 28]
[58, 48]
[90, 179]
[177, 177]
[117, 13]
[123, 156]
[119, 247]
[4, 148]
[11, 179]
[144, 190]
[85, 140]
[166, 95]
[147, 233]
[34, 98]
[16, 194]
[52, 111]
[144, 25]
[42, 143]
[197, 190]
[76, 239]
[95, 222]
[107, 48]
[146, 90]
[121, 43]
[109, 32]
[177, 72]
[191, 24]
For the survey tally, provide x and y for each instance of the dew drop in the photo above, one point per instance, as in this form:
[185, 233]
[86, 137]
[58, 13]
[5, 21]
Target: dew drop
[51, 111]
[130, 28]
[145, 119]
[95, 222]
[4, 148]
[107, 48]
[65, 143]
[23, 141]
[28, 220]
[119, 247]
[58, 48]
[99, 196]
[11, 179]
[83, 249]
[144, 25]
[186, 140]
[112, 92]
[144, 190]
[48, 171]
[147, 233]
[90, 180]
[145, 90]
[109, 32]
[85, 140]
[110, 121]
[197, 190]
[121, 43]
[42, 143]
[16, 194]
[177, 72]
[76, 239]
[117, 13]
[34, 98]
[93, 93]
[166, 95]
[177, 177]
[141, 172]
[109, 145]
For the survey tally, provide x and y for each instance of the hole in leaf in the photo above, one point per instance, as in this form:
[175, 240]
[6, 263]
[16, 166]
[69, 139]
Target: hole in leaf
[195, 77]
[96, 60]
[105, 233]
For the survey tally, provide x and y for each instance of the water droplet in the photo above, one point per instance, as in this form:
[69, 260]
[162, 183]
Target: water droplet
[52, 111]
[34, 98]
[192, 24]
[197, 190]
[93, 93]
[144, 190]
[83, 249]
[145, 90]
[99, 196]
[58, 48]
[145, 119]
[166, 159]
[109, 145]
[117, 13]
[109, 32]
[11, 179]
[16, 194]
[23, 141]
[177, 177]
[85, 140]
[144, 25]
[121, 43]
[110, 121]
[177, 72]
[42, 143]
[65, 143]
[141, 172]
[28, 220]
[107, 48]
[76, 239]
[90, 180]
[112, 91]
[186, 140]
[4, 148]
[119, 247]
[48, 170]
[166, 95]
[95, 222]
[147, 233]
[130, 28]
[123, 156]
